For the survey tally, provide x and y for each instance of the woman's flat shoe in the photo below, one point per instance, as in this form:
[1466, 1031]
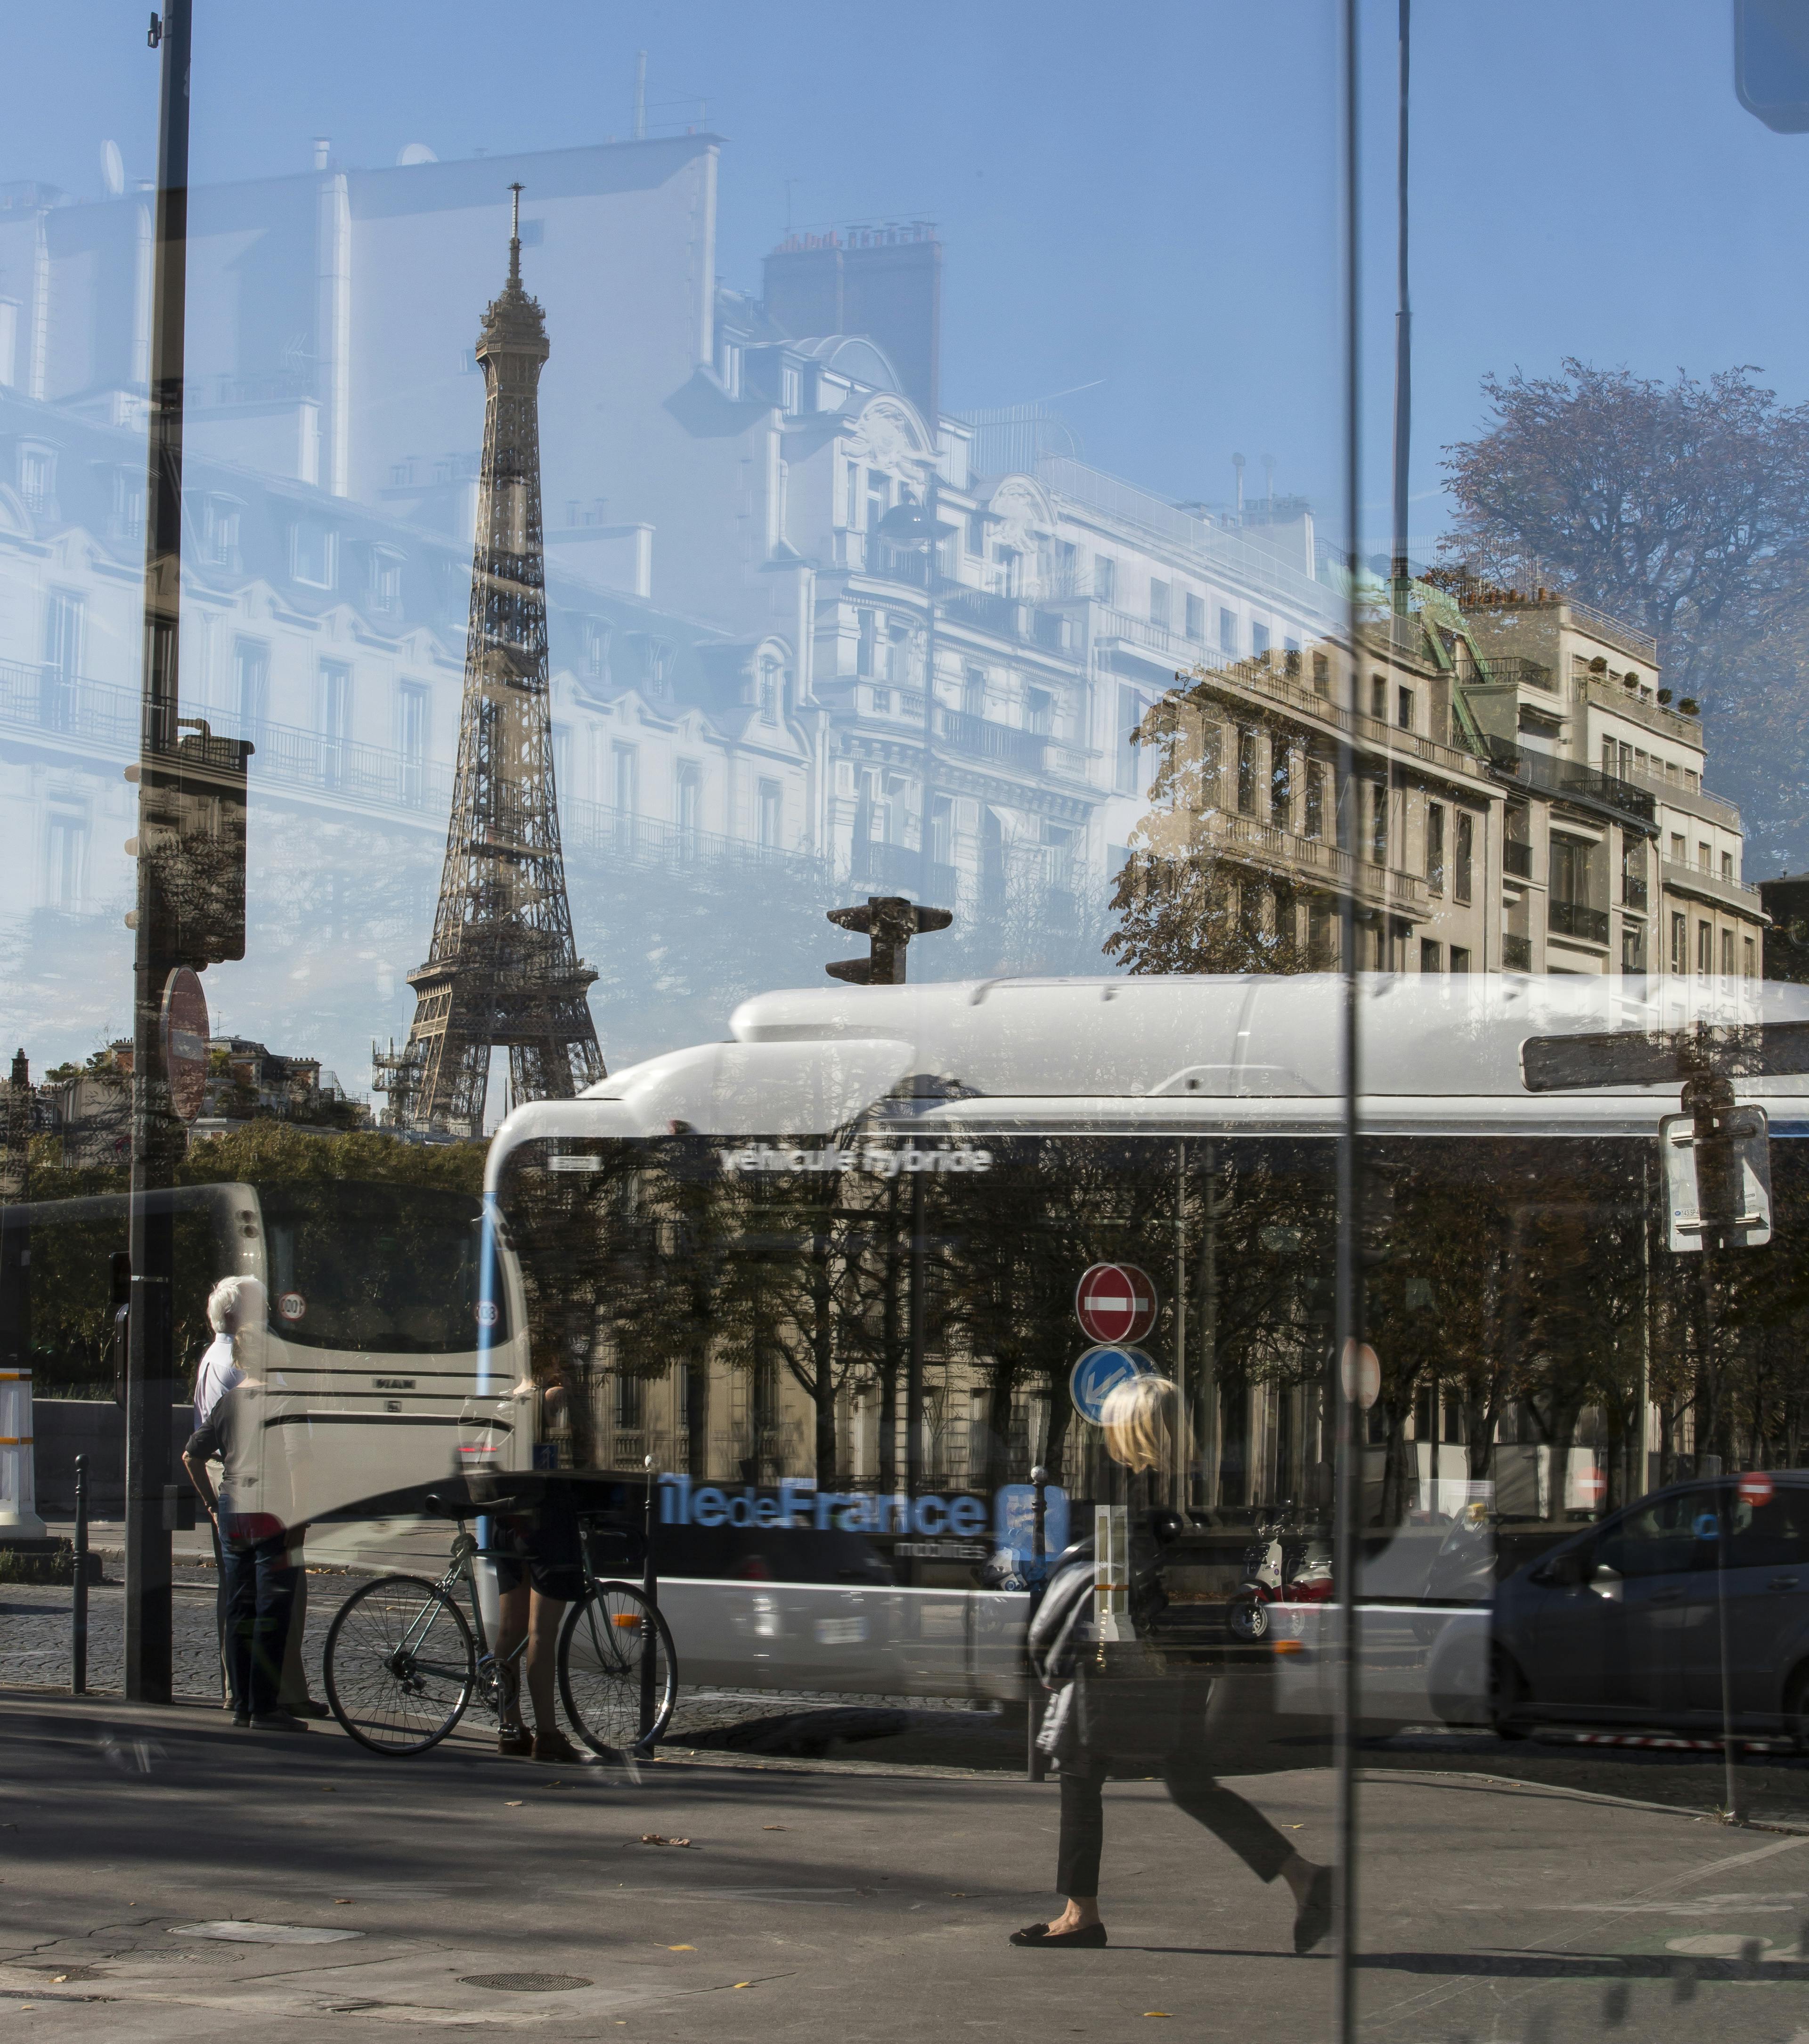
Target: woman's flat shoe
[1313, 1917]
[1090, 1939]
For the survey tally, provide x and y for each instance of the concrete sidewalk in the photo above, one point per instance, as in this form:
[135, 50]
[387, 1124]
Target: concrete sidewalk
[825, 1903]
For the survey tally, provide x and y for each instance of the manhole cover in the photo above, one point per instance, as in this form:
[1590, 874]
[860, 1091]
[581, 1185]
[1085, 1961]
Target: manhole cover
[527, 1983]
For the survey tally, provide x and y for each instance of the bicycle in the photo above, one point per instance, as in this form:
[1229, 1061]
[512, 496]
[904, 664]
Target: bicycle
[401, 1662]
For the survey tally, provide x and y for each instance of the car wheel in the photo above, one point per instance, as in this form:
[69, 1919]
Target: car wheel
[1508, 1696]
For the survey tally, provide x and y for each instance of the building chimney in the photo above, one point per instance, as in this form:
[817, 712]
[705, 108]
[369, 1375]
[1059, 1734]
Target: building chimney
[884, 283]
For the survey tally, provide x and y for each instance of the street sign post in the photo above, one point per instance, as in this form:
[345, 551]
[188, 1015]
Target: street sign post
[1114, 1302]
[1099, 1373]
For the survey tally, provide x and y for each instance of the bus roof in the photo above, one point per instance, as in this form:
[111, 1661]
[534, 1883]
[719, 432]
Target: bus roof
[1245, 1052]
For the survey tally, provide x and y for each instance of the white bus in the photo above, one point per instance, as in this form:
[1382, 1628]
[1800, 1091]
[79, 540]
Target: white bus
[900, 1187]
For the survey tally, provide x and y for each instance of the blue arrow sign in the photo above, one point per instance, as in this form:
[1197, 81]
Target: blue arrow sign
[1100, 1371]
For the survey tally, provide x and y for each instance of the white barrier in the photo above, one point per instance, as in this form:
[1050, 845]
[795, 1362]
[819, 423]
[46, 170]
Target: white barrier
[18, 1471]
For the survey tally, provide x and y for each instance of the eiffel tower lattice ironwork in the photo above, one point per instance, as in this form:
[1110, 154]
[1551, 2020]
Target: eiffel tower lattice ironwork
[503, 968]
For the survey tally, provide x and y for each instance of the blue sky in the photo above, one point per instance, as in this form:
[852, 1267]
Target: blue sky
[1143, 201]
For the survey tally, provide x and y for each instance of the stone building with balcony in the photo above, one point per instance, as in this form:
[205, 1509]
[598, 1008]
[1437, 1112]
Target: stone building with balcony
[1629, 863]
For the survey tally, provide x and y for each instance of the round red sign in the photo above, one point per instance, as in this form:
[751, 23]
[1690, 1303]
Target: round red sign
[184, 1042]
[1115, 1302]
[1755, 1488]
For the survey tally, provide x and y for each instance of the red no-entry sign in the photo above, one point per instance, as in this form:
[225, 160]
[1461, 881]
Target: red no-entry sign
[1115, 1302]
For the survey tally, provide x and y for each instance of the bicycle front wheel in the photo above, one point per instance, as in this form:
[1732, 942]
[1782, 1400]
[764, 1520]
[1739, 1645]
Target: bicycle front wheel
[400, 1665]
[618, 1673]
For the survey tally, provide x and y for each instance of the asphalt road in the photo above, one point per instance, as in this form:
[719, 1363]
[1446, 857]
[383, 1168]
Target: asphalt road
[166, 1878]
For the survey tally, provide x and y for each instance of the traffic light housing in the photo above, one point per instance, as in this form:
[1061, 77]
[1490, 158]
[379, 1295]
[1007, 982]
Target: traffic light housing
[888, 922]
[191, 835]
[1770, 63]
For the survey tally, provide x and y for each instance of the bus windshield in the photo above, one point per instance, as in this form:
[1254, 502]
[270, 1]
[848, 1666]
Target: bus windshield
[375, 1268]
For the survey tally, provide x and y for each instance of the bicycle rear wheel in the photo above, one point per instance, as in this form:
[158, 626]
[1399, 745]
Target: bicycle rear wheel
[618, 1673]
[400, 1665]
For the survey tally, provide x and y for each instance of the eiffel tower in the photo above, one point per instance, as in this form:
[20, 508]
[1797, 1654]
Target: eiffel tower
[503, 968]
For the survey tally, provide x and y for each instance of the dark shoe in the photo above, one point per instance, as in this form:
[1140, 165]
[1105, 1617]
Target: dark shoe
[553, 1749]
[277, 1721]
[241, 1720]
[1313, 1917]
[1090, 1939]
[514, 1742]
[308, 1706]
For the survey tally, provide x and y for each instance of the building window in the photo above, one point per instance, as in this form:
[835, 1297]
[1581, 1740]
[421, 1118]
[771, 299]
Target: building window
[1379, 698]
[64, 616]
[1314, 824]
[869, 631]
[1633, 947]
[1039, 712]
[1679, 849]
[898, 650]
[1258, 640]
[1130, 716]
[1679, 943]
[1435, 847]
[1705, 950]
[1281, 783]
[1246, 773]
[975, 535]
[251, 684]
[630, 1405]
[768, 690]
[973, 693]
[689, 803]
[1404, 709]
[411, 739]
[37, 476]
[1750, 952]
[1460, 958]
[1322, 674]
[335, 719]
[770, 798]
[1161, 595]
[1727, 954]
[1105, 579]
[1290, 658]
[1428, 954]
[386, 581]
[1705, 859]
[66, 861]
[1196, 617]
[1378, 823]
[1228, 632]
[1727, 865]
[220, 531]
[1466, 856]
[624, 769]
[597, 648]
[882, 702]
[313, 553]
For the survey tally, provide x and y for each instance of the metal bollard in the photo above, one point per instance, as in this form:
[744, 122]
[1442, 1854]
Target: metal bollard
[1036, 1760]
[650, 1636]
[78, 1606]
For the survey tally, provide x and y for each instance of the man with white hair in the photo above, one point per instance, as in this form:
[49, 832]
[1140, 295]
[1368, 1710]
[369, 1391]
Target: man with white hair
[236, 1308]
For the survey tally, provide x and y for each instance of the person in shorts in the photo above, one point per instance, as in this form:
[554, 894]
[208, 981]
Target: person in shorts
[538, 1573]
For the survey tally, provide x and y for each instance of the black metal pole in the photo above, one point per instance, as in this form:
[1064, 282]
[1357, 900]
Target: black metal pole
[78, 1609]
[1404, 330]
[156, 1135]
[914, 1380]
[1347, 1332]
[650, 1589]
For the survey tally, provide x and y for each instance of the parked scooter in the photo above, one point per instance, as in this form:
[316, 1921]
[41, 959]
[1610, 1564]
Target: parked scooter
[1277, 1571]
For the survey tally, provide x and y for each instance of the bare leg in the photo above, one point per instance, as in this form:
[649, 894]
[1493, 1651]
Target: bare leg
[543, 1649]
[511, 1630]
[1081, 1914]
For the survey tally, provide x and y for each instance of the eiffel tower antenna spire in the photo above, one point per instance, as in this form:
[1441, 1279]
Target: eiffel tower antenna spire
[503, 969]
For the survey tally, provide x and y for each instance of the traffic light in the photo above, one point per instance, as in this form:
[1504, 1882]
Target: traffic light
[1770, 61]
[888, 922]
[191, 833]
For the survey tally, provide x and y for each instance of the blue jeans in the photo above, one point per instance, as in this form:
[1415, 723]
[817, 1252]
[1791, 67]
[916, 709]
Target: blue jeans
[259, 1587]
